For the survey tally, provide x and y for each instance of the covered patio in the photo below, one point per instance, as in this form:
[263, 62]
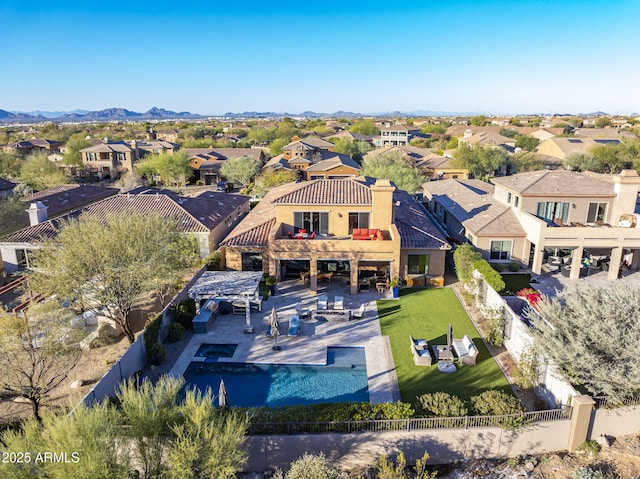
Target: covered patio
[232, 286]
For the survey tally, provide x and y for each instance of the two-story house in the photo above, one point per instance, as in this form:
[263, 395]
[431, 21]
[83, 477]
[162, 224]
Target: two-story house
[394, 135]
[342, 227]
[529, 217]
[487, 139]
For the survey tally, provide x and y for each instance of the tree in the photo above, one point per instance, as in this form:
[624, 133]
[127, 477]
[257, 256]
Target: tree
[478, 120]
[364, 127]
[527, 142]
[10, 164]
[609, 158]
[75, 143]
[11, 210]
[581, 162]
[597, 354]
[38, 354]
[481, 162]
[276, 146]
[355, 149]
[89, 438]
[526, 161]
[209, 441]
[395, 167]
[603, 122]
[110, 262]
[173, 168]
[241, 170]
[272, 178]
[40, 173]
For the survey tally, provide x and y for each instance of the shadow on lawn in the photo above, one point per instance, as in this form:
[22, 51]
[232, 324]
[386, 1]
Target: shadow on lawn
[388, 310]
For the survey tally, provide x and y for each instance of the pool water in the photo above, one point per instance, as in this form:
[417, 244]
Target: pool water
[211, 352]
[344, 378]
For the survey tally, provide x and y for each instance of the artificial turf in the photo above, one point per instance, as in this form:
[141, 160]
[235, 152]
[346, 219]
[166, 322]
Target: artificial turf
[426, 314]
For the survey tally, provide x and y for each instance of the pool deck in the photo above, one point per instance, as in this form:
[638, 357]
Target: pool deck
[310, 346]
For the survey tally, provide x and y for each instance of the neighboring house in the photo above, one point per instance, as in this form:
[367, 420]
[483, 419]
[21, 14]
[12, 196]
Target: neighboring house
[432, 165]
[543, 134]
[321, 164]
[394, 135]
[28, 147]
[6, 187]
[353, 137]
[530, 216]
[206, 162]
[398, 240]
[488, 140]
[208, 217]
[306, 148]
[167, 135]
[562, 147]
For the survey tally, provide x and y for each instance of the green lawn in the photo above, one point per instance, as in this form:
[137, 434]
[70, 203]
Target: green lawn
[426, 314]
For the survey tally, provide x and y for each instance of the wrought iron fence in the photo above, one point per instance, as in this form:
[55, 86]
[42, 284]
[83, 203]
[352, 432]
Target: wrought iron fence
[607, 402]
[412, 424]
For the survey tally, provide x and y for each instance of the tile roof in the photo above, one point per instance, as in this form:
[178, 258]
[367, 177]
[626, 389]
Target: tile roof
[64, 198]
[575, 145]
[557, 183]
[471, 203]
[415, 228]
[309, 143]
[328, 192]
[196, 215]
[256, 236]
[333, 160]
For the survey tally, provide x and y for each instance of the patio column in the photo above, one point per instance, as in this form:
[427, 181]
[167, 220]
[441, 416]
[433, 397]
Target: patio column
[614, 262]
[538, 256]
[353, 275]
[576, 261]
[313, 274]
[247, 325]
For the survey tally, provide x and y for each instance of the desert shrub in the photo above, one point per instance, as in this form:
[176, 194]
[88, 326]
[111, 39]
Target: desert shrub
[514, 266]
[498, 403]
[494, 329]
[176, 331]
[310, 466]
[442, 404]
[152, 332]
[582, 472]
[156, 354]
[392, 410]
[389, 469]
[186, 311]
[590, 446]
[527, 370]
[213, 261]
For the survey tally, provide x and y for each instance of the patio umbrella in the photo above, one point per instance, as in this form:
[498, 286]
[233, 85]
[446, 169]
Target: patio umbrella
[222, 396]
[275, 332]
[450, 337]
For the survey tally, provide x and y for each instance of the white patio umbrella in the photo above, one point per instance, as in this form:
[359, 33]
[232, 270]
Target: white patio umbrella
[275, 332]
[450, 337]
[222, 396]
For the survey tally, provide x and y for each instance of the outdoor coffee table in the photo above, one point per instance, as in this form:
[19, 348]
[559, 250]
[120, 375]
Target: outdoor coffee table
[442, 353]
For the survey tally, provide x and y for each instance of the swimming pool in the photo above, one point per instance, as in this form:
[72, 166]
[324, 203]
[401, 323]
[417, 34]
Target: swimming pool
[211, 352]
[344, 378]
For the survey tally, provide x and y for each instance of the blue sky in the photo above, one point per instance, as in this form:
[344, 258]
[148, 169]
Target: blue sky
[214, 56]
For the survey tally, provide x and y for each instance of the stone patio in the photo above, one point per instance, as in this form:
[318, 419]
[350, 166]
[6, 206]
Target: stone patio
[310, 346]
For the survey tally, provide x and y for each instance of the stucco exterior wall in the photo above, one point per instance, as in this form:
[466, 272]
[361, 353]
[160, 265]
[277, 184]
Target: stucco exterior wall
[615, 422]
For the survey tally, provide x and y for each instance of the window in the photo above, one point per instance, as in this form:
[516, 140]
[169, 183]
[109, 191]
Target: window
[509, 197]
[500, 249]
[358, 220]
[22, 258]
[251, 261]
[418, 264]
[311, 221]
[597, 212]
[516, 201]
[553, 210]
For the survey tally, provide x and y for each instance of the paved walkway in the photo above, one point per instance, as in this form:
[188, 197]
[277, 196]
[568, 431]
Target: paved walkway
[310, 346]
[551, 283]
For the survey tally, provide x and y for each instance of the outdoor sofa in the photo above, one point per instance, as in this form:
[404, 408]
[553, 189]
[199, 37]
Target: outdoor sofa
[367, 234]
[466, 351]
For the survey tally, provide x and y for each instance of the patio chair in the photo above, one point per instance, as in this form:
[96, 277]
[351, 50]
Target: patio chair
[358, 313]
[323, 302]
[302, 312]
[338, 302]
[294, 325]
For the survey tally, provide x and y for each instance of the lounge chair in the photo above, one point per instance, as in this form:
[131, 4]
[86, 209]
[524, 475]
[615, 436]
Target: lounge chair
[358, 313]
[338, 302]
[294, 325]
[323, 302]
[302, 312]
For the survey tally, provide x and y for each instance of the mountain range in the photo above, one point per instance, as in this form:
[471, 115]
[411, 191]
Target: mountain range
[108, 114]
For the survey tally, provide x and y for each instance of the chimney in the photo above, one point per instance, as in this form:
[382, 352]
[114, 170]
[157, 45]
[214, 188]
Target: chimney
[382, 204]
[468, 133]
[626, 185]
[37, 213]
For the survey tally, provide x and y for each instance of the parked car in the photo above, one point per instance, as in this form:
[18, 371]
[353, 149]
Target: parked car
[225, 186]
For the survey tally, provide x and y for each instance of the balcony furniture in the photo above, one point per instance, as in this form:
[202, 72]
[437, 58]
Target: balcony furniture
[294, 325]
[332, 315]
[367, 234]
[323, 303]
[304, 276]
[364, 285]
[338, 302]
[326, 276]
[239, 307]
[256, 303]
[302, 312]
[358, 313]
[466, 351]
[382, 285]
[420, 352]
[442, 353]
[290, 235]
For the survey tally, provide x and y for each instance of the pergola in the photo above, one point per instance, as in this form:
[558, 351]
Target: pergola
[230, 286]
